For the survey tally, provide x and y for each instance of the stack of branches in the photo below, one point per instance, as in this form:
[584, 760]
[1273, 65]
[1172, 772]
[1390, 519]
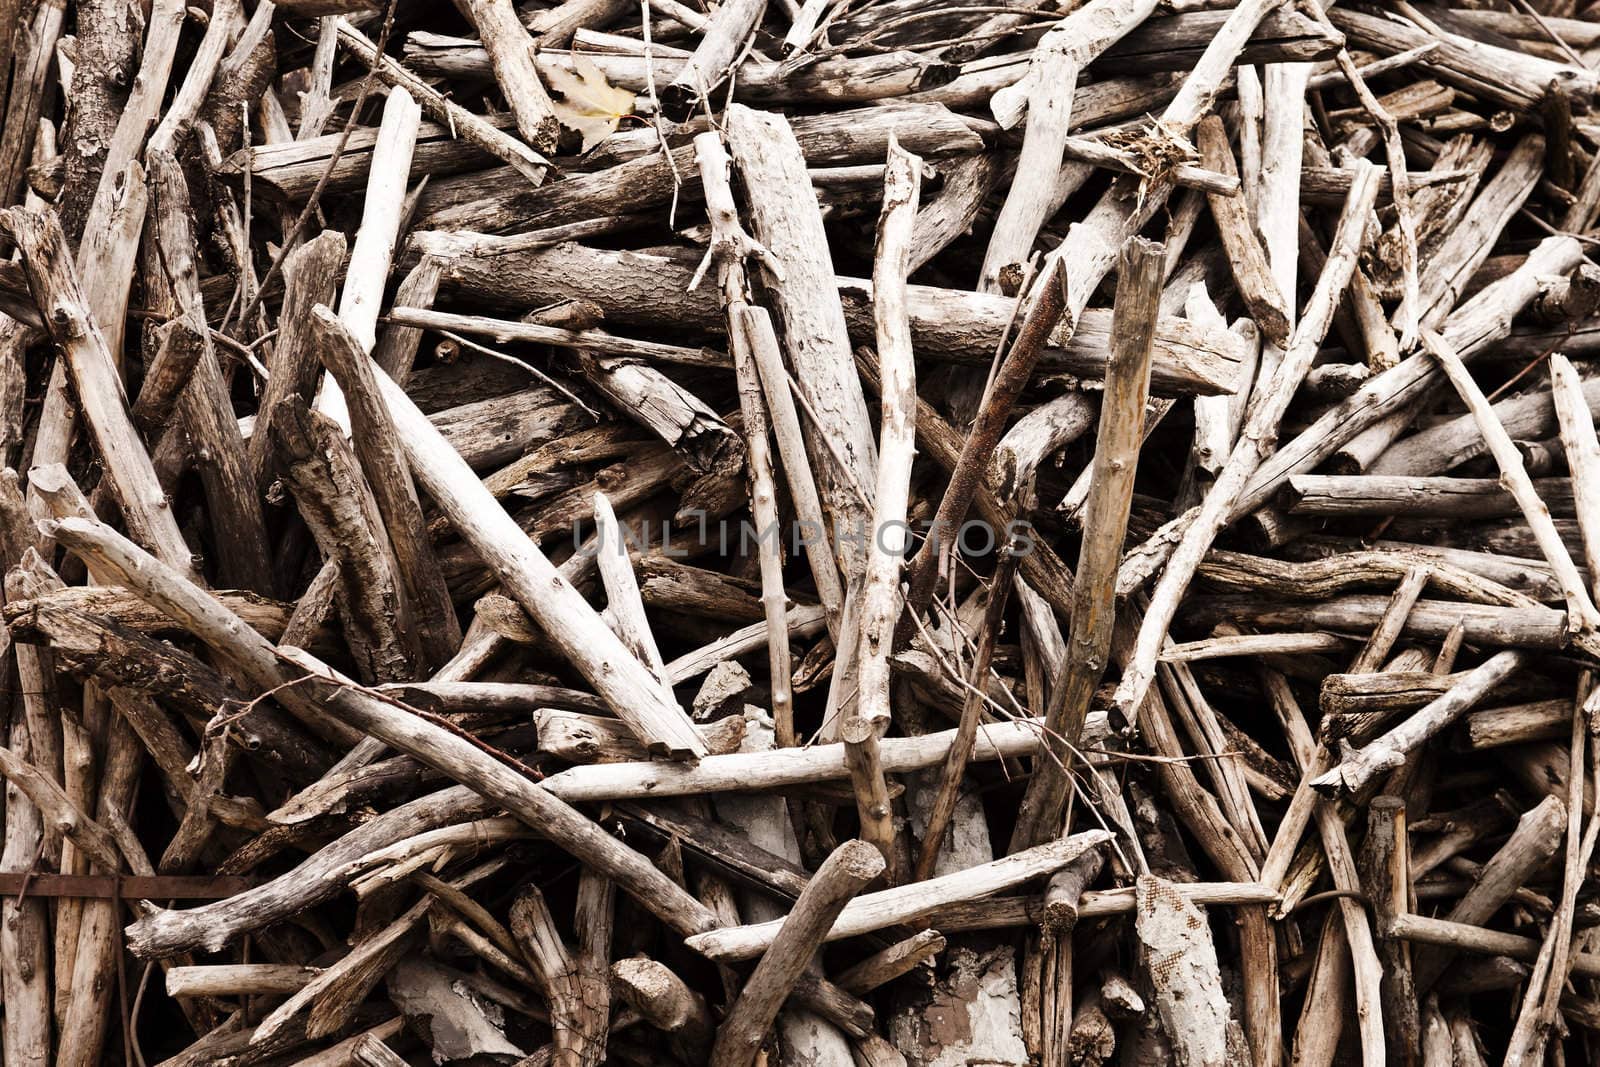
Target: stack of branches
[801, 533]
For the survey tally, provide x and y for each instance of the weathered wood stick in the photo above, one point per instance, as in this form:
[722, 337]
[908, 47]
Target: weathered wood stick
[1496, 627]
[752, 343]
[874, 911]
[1378, 494]
[1386, 874]
[1105, 526]
[1044, 95]
[338, 507]
[578, 1035]
[897, 390]
[511, 53]
[1253, 645]
[842, 875]
[524, 160]
[900, 958]
[1251, 271]
[721, 46]
[866, 718]
[1582, 451]
[785, 219]
[169, 590]
[780, 768]
[506, 331]
[311, 275]
[643, 289]
[666, 1003]
[382, 212]
[1511, 79]
[62, 816]
[549, 598]
[1465, 937]
[237, 979]
[1359, 767]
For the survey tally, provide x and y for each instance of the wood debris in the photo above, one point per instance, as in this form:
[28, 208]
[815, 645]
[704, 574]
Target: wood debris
[813, 533]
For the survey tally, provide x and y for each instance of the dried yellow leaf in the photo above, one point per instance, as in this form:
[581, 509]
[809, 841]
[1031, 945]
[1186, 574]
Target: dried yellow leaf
[585, 102]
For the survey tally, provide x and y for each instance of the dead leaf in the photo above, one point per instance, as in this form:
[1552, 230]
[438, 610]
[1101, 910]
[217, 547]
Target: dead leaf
[588, 105]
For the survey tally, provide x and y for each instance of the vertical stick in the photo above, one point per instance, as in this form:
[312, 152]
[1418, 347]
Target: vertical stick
[1386, 859]
[511, 53]
[1583, 455]
[785, 218]
[769, 534]
[381, 212]
[888, 534]
[1105, 525]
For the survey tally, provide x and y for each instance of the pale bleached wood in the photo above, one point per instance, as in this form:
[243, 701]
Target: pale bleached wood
[1182, 962]
[785, 219]
[367, 274]
[886, 907]
[237, 979]
[1045, 95]
[867, 717]
[1582, 452]
[781, 768]
[24, 928]
[899, 958]
[549, 598]
[175, 121]
[624, 607]
[947, 325]
[666, 1003]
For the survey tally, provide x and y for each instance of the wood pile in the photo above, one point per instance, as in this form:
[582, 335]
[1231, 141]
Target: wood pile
[799, 533]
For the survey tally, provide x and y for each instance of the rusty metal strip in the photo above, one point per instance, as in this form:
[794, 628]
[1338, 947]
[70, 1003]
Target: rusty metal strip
[128, 887]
